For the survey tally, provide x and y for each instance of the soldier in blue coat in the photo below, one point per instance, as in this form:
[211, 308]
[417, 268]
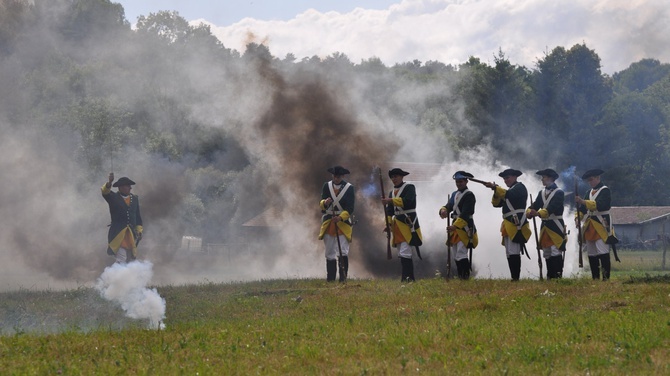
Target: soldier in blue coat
[514, 229]
[337, 208]
[462, 232]
[125, 231]
[401, 214]
[549, 205]
[597, 223]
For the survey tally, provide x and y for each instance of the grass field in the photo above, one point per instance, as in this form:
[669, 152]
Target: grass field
[433, 326]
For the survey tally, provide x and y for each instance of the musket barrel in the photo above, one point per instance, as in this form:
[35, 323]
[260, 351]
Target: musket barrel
[448, 242]
[386, 219]
[580, 240]
[537, 242]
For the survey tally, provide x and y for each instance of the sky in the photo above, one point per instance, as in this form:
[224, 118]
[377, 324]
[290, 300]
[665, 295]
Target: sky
[450, 31]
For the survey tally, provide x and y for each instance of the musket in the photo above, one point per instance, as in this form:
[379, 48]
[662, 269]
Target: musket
[386, 219]
[479, 181]
[448, 242]
[343, 274]
[339, 245]
[580, 240]
[470, 235]
[537, 242]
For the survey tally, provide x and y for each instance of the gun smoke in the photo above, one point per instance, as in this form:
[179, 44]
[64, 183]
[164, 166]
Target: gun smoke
[125, 284]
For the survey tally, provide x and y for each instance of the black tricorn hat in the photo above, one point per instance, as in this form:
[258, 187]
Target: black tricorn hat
[594, 172]
[338, 170]
[462, 175]
[397, 171]
[548, 172]
[510, 172]
[123, 181]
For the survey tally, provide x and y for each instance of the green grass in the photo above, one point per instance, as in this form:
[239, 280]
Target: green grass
[639, 263]
[565, 327]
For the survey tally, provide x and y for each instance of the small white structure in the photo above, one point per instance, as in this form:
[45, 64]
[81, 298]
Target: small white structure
[191, 244]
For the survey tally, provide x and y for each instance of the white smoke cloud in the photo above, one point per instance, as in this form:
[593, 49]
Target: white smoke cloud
[126, 284]
[620, 31]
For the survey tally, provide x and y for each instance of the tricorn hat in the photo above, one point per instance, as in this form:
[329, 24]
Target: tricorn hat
[398, 172]
[123, 181]
[510, 172]
[338, 170]
[548, 172]
[594, 172]
[462, 175]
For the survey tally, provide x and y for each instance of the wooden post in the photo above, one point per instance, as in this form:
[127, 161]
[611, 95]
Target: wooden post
[665, 243]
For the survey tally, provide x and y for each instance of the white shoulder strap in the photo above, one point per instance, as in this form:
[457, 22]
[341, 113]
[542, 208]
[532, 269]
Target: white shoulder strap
[336, 198]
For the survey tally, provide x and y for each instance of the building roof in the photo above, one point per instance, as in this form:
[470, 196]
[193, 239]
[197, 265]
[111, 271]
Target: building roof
[632, 215]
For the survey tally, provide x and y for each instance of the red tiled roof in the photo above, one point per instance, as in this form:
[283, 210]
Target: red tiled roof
[629, 215]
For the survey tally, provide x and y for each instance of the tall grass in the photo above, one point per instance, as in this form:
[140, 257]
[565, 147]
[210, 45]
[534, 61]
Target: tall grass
[433, 326]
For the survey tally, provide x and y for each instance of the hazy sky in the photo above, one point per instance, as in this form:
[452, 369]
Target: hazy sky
[228, 12]
[450, 31]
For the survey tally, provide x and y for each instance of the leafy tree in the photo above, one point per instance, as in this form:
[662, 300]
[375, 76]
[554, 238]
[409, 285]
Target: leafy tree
[168, 26]
[571, 92]
[475, 89]
[640, 75]
[511, 110]
[13, 18]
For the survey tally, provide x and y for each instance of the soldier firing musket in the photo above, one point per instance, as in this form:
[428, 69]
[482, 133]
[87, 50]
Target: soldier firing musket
[514, 229]
[461, 207]
[597, 224]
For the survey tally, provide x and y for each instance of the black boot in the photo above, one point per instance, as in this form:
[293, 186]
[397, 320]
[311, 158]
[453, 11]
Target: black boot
[606, 262]
[595, 267]
[559, 266]
[550, 268]
[514, 262]
[459, 268]
[407, 269]
[554, 267]
[331, 270]
[468, 266]
[344, 268]
[463, 268]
